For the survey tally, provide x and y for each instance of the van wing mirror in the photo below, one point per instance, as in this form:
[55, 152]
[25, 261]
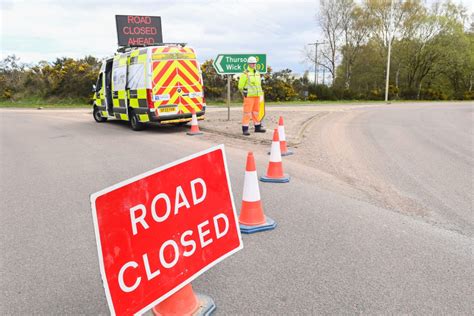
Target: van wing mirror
[93, 88]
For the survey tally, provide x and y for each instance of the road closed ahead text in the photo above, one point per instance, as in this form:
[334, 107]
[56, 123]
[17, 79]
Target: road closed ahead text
[163, 229]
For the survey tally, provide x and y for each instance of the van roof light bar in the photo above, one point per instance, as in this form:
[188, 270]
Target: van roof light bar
[124, 49]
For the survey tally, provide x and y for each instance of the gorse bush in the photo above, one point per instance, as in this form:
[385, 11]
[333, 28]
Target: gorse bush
[63, 79]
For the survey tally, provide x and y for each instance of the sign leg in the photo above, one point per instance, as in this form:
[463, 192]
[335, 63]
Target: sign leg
[229, 79]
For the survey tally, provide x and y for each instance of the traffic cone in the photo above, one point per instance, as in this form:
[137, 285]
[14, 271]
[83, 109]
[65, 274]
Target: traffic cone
[194, 125]
[252, 219]
[185, 302]
[281, 134]
[275, 166]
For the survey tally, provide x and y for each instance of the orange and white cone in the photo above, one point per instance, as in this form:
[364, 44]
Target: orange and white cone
[185, 302]
[275, 166]
[281, 135]
[252, 219]
[194, 125]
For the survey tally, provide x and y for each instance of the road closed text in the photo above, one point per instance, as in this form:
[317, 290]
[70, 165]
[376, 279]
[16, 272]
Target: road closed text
[138, 30]
[183, 244]
[162, 229]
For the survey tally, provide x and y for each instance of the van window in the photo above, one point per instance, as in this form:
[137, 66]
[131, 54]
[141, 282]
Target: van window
[136, 76]
[118, 78]
[98, 85]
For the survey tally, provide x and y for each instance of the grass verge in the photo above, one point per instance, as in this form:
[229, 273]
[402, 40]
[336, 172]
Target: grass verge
[74, 103]
[286, 103]
[36, 103]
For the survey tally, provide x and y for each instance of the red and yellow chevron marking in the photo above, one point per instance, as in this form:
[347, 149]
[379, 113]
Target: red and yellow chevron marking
[176, 98]
[173, 53]
[163, 49]
[170, 75]
[162, 72]
[172, 50]
[191, 103]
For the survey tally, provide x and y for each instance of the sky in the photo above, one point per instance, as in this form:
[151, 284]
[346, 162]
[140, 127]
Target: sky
[47, 29]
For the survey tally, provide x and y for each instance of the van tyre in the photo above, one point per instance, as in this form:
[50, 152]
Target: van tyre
[135, 123]
[98, 116]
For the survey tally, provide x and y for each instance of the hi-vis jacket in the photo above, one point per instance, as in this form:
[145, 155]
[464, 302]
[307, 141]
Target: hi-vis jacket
[157, 83]
[250, 79]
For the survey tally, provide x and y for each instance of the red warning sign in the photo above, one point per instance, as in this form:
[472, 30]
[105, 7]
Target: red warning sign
[160, 230]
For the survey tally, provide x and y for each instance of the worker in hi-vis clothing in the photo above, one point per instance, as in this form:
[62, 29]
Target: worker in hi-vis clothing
[250, 85]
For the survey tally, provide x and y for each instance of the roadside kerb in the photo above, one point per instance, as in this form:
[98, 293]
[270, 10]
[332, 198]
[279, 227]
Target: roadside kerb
[296, 123]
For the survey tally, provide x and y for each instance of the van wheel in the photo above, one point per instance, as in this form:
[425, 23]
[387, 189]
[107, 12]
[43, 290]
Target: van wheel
[98, 116]
[135, 124]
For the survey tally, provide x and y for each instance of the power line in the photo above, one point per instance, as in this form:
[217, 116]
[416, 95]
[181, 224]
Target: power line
[316, 44]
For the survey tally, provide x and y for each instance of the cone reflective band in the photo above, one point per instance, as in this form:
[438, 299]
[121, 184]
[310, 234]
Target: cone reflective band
[160, 230]
[194, 126]
[275, 166]
[252, 219]
[281, 134]
[251, 195]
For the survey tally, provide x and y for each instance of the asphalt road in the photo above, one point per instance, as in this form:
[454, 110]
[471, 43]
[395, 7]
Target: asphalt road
[414, 159]
[377, 217]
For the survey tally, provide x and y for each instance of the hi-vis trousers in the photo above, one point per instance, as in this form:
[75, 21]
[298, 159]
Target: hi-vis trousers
[251, 109]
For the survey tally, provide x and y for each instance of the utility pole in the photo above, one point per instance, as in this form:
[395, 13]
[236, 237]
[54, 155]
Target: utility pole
[316, 60]
[390, 30]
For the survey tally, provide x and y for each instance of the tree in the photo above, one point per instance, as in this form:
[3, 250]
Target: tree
[65, 78]
[279, 85]
[11, 73]
[427, 39]
[331, 20]
[214, 84]
[432, 51]
[356, 28]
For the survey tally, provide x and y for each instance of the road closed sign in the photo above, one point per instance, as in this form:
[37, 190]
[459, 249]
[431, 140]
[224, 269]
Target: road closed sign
[160, 230]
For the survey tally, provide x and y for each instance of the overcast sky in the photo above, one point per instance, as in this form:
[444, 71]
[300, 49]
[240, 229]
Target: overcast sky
[43, 30]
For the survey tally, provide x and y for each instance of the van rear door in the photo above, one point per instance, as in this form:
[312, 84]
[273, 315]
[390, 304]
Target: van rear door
[176, 81]
[165, 95]
[191, 84]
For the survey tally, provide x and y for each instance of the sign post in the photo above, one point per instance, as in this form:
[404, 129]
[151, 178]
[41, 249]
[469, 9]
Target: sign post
[160, 230]
[229, 80]
[229, 64]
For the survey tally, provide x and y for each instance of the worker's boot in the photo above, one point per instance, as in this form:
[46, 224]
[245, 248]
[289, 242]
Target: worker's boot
[245, 130]
[259, 129]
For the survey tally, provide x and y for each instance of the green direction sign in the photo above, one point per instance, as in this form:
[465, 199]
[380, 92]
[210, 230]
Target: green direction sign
[237, 63]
